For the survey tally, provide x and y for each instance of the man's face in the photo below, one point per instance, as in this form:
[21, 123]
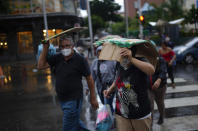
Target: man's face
[66, 44]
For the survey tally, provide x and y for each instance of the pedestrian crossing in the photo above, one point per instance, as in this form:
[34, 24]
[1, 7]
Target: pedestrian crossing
[181, 103]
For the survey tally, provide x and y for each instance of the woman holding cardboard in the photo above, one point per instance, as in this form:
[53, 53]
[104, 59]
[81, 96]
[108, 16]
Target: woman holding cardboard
[133, 112]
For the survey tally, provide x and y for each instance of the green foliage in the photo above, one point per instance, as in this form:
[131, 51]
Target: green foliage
[4, 7]
[103, 12]
[156, 39]
[106, 9]
[173, 9]
[133, 24]
[118, 28]
[97, 23]
[191, 17]
[169, 10]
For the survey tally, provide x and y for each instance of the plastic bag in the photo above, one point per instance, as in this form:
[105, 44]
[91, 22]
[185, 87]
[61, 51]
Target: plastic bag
[104, 119]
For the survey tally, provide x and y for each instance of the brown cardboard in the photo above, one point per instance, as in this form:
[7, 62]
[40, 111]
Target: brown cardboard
[112, 52]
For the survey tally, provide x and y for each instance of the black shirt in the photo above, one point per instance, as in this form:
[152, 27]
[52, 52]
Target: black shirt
[68, 75]
[132, 99]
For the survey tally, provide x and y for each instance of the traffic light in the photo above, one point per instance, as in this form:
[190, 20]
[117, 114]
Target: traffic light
[141, 18]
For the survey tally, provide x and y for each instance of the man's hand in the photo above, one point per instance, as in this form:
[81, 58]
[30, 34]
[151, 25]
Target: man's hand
[94, 102]
[156, 84]
[45, 44]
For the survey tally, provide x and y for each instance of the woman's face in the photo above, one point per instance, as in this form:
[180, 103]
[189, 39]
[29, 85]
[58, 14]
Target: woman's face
[163, 45]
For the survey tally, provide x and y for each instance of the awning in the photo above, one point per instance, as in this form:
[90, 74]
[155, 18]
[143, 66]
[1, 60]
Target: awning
[178, 21]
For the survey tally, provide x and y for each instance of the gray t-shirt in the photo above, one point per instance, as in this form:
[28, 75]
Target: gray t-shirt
[107, 72]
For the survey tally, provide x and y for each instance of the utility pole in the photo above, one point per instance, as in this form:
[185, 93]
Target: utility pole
[90, 27]
[31, 6]
[45, 18]
[140, 24]
[126, 17]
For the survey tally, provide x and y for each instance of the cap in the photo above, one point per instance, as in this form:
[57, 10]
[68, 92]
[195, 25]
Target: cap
[98, 49]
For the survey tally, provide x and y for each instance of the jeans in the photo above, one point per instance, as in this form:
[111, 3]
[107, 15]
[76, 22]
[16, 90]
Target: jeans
[71, 115]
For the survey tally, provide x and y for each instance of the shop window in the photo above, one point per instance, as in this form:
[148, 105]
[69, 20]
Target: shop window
[25, 45]
[35, 6]
[51, 33]
[3, 44]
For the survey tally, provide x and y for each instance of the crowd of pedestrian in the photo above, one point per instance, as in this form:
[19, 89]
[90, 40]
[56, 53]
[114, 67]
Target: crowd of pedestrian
[135, 82]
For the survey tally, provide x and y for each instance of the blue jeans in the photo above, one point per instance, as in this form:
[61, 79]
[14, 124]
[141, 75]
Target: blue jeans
[71, 115]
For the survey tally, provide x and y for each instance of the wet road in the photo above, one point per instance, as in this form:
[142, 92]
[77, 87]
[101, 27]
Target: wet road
[28, 101]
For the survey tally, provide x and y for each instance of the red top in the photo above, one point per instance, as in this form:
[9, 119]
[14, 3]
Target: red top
[168, 56]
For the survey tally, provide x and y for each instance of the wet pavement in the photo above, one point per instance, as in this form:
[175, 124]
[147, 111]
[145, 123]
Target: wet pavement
[28, 101]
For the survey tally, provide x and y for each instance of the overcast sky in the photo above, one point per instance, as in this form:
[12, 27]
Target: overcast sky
[120, 2]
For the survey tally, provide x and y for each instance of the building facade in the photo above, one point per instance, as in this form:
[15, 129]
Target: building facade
[22, 30]
[188, 4]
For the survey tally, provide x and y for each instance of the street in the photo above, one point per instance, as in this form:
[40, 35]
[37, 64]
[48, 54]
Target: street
[28, 101]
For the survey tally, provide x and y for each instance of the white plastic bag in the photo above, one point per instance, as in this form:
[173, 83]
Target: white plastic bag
[104, 119]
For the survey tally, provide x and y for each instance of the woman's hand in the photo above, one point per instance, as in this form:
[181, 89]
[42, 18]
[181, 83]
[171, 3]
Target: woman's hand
[106, 93]
[156, 84]
[125, 52]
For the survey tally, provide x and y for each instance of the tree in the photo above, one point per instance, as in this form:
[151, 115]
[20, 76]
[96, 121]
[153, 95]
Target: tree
[97, 23]
[103, 13]
[106, 9]
[169, 10]
[191, 17]
[118, 28]
[173, 9]
[4, 7]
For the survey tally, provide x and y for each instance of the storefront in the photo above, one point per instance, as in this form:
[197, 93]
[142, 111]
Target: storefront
[22, 31]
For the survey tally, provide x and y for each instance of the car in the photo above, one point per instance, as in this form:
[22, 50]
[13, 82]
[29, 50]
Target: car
[188, 52]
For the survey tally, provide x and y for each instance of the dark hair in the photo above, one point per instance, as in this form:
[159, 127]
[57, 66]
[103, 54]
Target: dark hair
[164, 42]
[69, 38]
[134, 50]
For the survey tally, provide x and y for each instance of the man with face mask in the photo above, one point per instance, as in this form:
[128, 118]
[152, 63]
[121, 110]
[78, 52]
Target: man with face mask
[69, 69]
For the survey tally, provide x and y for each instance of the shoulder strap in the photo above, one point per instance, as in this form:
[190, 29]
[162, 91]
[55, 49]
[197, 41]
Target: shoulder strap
[98, 71]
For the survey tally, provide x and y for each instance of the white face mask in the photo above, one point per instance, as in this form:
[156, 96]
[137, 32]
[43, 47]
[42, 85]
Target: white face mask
[66, 52]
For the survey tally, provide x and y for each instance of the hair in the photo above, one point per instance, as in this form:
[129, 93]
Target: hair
[68, 38]
[164, 42]
[133, 50]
